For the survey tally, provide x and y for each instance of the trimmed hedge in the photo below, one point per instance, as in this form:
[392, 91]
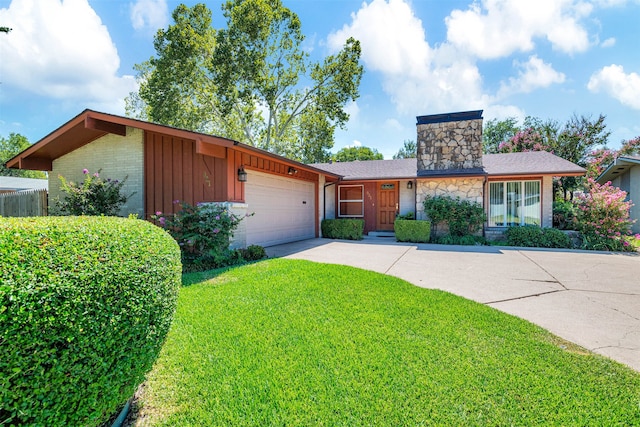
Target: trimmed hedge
[412, 231]
[532, 236]
[85, 305]
[349, 229]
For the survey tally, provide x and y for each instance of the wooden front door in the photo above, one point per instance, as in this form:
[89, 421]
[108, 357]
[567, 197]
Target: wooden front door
[387, 205]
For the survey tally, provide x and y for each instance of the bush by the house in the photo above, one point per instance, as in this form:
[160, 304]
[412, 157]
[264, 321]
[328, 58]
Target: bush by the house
[93, 196]
[466, 240]
[85, 305]
[462, 217]
[564, 215]
[204, 233]
[412, 231]
[348, 229]
[532, 236]
[253, 253]
[409, 215]
[603, 217]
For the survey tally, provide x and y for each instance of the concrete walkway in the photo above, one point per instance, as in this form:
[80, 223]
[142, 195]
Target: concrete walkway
[589, 298]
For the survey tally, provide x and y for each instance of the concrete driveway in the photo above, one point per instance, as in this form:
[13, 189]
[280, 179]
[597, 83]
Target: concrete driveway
[589, 298]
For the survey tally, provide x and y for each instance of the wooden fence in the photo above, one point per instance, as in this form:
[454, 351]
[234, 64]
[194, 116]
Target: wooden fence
[24, 203]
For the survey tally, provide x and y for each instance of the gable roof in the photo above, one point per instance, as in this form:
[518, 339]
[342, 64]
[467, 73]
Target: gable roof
[617, 168]
[509, 164]
[91, 125]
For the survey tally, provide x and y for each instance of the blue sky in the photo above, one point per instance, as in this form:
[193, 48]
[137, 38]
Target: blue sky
[545, 58]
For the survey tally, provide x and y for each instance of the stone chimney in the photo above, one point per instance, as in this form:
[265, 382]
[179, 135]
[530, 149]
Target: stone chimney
[449, 142]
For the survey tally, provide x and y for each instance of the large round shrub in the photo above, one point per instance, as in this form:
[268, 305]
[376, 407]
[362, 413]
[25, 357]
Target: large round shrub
[85, 305]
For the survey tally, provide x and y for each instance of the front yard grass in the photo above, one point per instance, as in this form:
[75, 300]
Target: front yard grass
[290, 342]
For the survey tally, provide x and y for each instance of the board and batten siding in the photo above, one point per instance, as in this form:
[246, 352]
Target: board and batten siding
[117, 156]
[175, 171]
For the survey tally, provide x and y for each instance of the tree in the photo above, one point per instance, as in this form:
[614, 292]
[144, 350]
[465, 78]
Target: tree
[251, 81]
[408, 151]
[601, 158]
[10, 147]
[5, 29]
[350, 154]
[496, 132]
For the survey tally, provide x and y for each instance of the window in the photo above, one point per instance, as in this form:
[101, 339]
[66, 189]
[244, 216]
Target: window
[514, 203]
[351, 201]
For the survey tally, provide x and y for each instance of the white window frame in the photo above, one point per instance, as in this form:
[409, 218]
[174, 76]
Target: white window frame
[504, 213]
[361, 201]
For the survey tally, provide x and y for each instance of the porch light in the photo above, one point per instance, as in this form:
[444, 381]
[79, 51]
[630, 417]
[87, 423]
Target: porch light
[409, 185]
[242, 174]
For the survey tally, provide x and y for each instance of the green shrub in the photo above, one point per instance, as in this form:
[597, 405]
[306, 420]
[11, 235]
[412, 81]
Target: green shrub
[463, 217]
[467, 240]
[85, 305]
[412, 231]
[204, 233]
[94, 196]
[253, 253]
[349, 229]
[564, 215]
[409, 215]
[532, 236]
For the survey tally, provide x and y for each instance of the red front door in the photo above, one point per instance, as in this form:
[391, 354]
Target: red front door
[387, 205]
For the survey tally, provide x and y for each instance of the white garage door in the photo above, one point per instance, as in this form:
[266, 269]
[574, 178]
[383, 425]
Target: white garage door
[284, 209]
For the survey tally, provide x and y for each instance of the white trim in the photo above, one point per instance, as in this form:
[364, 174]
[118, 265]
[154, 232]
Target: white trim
[351, 201]
[503, 205]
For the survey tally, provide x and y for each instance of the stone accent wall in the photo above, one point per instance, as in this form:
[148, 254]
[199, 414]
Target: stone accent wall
[450, 145]
[117, 156]
[465, 188]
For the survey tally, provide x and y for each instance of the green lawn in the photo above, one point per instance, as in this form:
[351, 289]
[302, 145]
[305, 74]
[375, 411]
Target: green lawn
[284, 342]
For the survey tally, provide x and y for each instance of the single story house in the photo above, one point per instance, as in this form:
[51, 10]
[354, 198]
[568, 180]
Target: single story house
[514, 188]
[163, 164]
[624, 173]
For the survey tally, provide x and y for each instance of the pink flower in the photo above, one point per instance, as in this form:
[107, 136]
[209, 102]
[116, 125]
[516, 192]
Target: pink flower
[85, 171]
[162, 221]
[158, 213]
[96, 175]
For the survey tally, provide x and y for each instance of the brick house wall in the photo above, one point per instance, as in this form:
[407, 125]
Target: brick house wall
[117, 156]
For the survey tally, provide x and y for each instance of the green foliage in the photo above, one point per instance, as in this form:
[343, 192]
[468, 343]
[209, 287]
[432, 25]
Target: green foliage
[532, 236]
[349, 229]
[250, 81]
[407, 230]
[9, 148]
[203, 232]
[495, 132]
[408, 151]
[463, 217]
[253, 253]
[466, 240]
[603, 217]
[295, 343]
[350, 154]
[564, 215]
[85, 305]
[94, 196]
[409, 215]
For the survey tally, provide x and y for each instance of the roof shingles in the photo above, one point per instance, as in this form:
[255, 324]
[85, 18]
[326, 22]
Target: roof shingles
[517, 164]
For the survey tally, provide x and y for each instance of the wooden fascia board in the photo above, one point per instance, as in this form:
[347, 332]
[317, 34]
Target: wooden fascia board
[16, 160]
[105, 126]
[212, 150]
[35, 163]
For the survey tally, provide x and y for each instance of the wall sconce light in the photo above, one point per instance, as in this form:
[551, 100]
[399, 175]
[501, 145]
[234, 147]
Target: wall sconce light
[409, 185]
[242, 174]
[292, 171]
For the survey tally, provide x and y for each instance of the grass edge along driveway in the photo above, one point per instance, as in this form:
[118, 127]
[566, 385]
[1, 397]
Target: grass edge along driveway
[291, 342]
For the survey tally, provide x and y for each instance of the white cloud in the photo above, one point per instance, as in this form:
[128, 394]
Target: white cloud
[613, 81]
[497, 28]
[533, 74]
[415, 76]
[610, 42]
[61, 49]
[149, 15]
[356, 143]
[503, 112]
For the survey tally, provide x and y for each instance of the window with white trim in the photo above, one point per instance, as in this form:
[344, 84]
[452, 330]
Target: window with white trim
[514, 203]
[351, 201]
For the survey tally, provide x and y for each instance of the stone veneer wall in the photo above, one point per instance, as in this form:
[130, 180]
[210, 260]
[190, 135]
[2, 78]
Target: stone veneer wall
[465, 188]
[117, 156]
[450, 145]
